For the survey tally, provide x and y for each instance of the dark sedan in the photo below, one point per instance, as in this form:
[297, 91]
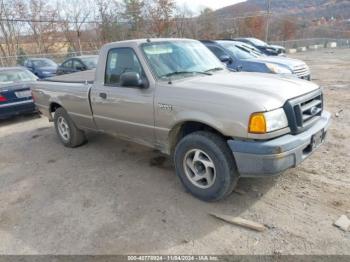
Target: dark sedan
[15, 93]
[41, 67]
[271, 50]
[77, 64]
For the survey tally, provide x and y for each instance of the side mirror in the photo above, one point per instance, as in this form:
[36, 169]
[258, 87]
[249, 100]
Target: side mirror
[132, 79]
[226, 59]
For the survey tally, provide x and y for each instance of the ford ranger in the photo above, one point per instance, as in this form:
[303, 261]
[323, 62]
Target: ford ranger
[176, 96]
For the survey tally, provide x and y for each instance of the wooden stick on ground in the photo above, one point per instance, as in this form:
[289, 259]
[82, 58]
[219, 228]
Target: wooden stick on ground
[240, 222]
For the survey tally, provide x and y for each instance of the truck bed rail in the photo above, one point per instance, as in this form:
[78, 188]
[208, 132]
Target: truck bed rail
[76, 78]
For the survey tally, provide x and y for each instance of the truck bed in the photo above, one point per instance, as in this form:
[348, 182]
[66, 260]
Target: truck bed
[70, 91]
[79, 77]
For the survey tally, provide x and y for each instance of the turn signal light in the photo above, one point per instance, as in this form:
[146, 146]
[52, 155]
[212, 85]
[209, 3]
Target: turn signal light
[31, 91]
[257, 123]
[2, 99]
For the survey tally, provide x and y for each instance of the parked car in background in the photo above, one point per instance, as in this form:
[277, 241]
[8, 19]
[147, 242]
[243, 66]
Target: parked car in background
[238, 58]
[15, 93]
[298, 67]
[41, 67]
[272, 50]
[77, 64]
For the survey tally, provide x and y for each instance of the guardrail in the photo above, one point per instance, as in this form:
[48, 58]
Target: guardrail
[324, 42]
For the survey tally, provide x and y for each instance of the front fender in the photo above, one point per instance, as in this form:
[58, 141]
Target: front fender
[200, 117]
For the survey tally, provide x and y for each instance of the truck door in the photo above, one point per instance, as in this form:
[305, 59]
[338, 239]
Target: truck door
[124, 111]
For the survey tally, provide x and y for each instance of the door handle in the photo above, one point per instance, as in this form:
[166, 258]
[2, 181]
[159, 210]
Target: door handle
[103, 95]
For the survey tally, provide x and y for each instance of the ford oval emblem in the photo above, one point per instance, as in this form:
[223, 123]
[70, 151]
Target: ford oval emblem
[314, 110]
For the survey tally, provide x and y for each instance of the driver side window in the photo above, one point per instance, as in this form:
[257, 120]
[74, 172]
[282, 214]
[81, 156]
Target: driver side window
[77, 65]
[119, 61]
[218, 52]
[68, 64]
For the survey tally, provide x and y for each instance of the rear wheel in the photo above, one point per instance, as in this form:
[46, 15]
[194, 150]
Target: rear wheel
[66, 130]
[205, 166]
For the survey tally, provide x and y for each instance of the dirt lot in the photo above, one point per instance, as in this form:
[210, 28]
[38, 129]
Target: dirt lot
[113, 197]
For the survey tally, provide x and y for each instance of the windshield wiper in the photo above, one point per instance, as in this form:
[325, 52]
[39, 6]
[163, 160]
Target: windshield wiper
[186, 72]
[214, 69]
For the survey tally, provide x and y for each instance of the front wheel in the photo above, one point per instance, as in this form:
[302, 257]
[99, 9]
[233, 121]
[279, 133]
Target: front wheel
[205, 166]
[66, 130]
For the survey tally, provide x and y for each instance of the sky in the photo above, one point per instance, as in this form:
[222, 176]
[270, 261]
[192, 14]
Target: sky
[197, 5]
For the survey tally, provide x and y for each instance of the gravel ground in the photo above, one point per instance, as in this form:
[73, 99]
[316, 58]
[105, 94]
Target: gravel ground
[114, 197]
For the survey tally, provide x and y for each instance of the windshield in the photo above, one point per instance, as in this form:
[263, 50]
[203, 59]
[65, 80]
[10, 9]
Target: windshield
[249, 50]
[237, 52]
[257, 42]
[44, 63]
[180, 58]
[90, 62]
[16, 75]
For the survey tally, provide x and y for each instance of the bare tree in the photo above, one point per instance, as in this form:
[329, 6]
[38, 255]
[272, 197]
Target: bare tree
[134, 14]
[74, 15]
[288, 29]
[182, 20]
[10, 30]
[42, 24]
[107, 20]
[208, 24]
[160, 15]
[253, 26]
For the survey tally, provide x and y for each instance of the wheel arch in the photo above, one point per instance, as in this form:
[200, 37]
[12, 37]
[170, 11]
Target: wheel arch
[53, 107]
[186, 127]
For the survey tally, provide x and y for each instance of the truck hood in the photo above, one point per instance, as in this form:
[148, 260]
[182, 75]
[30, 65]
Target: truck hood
[277, 47]
[269, 48]
[267, 90]
[281, 60]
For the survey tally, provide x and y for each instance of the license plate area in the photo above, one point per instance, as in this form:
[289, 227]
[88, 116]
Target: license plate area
[317, 139]
[23, 94]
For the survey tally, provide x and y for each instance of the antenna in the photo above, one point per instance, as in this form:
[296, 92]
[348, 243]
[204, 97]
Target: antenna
[268, 20]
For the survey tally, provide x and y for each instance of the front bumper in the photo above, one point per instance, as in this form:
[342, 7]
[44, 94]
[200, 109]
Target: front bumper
[17, 108]
[307, 77]
[256, 159]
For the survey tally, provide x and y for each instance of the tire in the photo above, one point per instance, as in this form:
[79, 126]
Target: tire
[208, 150]
[71, 136]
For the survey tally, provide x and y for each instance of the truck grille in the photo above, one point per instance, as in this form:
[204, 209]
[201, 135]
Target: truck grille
[301, 71]
[302, 112]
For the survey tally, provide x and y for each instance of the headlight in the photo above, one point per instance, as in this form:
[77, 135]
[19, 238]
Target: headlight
[276, 69]
[261, 123]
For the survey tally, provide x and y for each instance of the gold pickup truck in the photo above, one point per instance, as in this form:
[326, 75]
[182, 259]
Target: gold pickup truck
[176, 96]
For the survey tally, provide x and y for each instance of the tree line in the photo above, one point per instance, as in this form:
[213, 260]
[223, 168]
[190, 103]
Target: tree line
[41, 26]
